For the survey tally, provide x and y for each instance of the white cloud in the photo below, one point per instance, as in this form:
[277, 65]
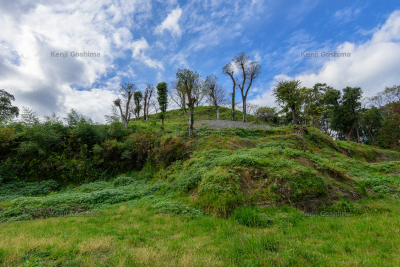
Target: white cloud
[179, 60]
[171, 23]
[257, 57]
[373, 65]
[346, 14]
[265, 99]
[30, 32]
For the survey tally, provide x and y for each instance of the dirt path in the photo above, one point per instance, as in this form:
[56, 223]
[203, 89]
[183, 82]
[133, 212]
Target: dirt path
[221, 124]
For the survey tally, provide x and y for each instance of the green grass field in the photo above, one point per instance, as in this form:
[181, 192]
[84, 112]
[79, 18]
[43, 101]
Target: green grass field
[132, 234]
[240, 198]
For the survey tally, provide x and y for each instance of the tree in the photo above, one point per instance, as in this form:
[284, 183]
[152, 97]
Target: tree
[389, 95]
[191, 83]
[7, 110]
[162, 92]
[267, 114]
[229, 70]
[345, 109]
[126, 90]
[252, 108]
[137, 98]
[248, 73]
[214, 92]
[288, 95]
[146, 101]
[389, 133]
[113, 117]
[178, 95]
[388, 103]
[371, 121]
[154, 104]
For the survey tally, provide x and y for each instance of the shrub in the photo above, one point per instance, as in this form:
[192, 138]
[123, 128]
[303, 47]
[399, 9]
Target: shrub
[28, 189]
[123, 181]
[384, 189]
[6, 136]
[94, 186]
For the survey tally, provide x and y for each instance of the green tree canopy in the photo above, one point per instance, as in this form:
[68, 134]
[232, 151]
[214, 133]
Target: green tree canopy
[289, 96]
[7, 110]
[162, 97]
[345, 108]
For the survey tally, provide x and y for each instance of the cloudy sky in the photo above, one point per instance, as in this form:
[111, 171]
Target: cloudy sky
[147, 41]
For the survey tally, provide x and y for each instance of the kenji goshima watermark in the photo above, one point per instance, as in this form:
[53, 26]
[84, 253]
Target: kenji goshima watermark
[65, 54]
[315, 54]
[316, 213]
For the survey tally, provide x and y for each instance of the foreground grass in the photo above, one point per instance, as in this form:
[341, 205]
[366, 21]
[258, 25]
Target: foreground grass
[134, 235]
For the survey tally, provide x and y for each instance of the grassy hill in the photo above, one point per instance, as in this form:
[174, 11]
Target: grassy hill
[203, 113]
[235, 197]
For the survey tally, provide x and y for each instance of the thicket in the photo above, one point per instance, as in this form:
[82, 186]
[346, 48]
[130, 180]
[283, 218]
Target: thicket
[76, 150]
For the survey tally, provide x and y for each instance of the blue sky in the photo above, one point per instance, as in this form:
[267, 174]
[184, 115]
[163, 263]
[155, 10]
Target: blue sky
[147, 41]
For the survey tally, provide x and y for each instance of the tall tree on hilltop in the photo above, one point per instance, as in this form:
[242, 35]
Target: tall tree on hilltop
[248, 72]
[288, 95]
[137, 98]
[214, 92]
[229, 70]
[146, 101]
[191, 82]
[162, 92]
[126, 90]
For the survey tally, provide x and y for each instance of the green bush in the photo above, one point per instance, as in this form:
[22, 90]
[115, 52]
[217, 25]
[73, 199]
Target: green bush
[94, 186]
[28, 189]
[123, 181]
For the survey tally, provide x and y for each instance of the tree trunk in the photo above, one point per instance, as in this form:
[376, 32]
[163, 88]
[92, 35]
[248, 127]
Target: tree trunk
[123, 118]
[162, 126]
[217, 111]
[294, 115]
[244, 109]
[144, 108]
[358, 135]
[184, 107]
[348, 136]
[191, 116]
[233, 104]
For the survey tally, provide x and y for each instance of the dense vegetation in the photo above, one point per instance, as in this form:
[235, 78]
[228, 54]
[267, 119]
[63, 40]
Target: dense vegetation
[256, 190]
[221, 169]
[263, 183]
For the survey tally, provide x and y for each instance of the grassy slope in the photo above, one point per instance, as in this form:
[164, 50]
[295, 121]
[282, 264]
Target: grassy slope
[161, 222]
